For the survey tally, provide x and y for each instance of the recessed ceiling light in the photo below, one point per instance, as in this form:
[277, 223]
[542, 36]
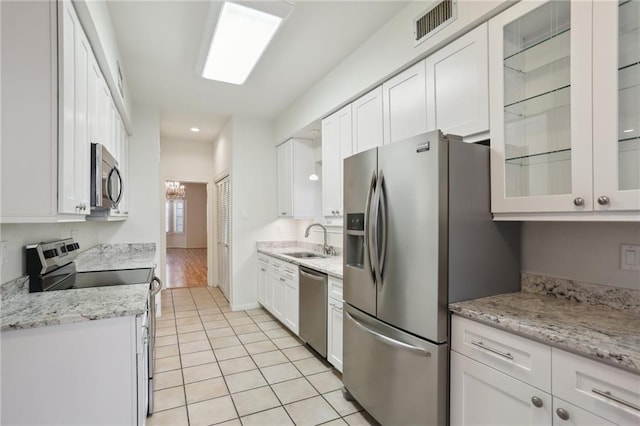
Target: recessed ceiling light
[242, 34]
[195, 129]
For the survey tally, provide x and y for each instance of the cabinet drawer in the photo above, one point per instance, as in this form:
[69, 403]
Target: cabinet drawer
[574, 416]
[603, 390]
[289, 272]
[335, 288]
[263, 259]
[516, 356]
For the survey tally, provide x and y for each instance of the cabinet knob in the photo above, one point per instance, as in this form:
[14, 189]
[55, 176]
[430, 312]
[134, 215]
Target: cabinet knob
[562, 413]
[283, 213]
[333, 212]
[578, 201]
[603, 200]
[338, 212]
[536, 401]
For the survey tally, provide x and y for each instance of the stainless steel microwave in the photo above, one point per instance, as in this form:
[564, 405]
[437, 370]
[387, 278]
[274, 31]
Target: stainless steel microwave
[107, 185]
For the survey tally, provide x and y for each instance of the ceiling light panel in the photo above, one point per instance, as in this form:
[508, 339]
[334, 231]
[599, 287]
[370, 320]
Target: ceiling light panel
[240, 37]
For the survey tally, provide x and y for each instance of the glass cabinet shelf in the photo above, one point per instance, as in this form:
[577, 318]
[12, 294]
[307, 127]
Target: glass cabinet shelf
[543, 48]
[541, 157]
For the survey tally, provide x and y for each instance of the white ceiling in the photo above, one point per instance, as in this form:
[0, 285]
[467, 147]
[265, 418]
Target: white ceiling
[160, 41]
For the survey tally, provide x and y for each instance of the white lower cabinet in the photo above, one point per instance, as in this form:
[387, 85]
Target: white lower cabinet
[82, 373]
[481, 395]
[334, 323]
[278, 290]
[496, 378]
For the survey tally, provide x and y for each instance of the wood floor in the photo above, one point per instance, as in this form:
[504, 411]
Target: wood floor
[186, 267]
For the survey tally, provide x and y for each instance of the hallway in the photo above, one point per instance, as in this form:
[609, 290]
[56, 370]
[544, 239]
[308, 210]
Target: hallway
[186, 267]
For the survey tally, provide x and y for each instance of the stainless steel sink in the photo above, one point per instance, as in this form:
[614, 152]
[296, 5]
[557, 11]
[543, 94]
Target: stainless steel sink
[305, 255]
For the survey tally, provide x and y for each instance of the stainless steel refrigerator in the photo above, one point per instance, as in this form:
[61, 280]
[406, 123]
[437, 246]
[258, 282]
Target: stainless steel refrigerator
[418, 234]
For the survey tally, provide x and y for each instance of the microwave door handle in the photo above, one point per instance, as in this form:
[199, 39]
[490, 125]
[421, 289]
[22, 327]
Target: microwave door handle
[113, 171]
[367, 226]
[120, 186]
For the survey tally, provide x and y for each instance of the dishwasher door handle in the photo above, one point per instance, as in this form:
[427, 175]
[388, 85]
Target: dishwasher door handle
[312, 276]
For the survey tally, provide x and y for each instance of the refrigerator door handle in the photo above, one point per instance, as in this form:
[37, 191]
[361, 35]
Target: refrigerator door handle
[388, 340]
[375, 243]
[383, 210]
[368, 227]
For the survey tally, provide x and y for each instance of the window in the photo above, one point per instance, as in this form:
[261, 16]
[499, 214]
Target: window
[175, 212]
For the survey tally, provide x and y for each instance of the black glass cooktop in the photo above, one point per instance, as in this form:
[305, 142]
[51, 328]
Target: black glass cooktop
[98, 279]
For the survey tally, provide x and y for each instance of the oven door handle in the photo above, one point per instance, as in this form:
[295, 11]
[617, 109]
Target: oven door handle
[156, 285]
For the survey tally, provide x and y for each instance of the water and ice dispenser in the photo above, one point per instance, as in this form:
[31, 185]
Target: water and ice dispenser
[354, 237]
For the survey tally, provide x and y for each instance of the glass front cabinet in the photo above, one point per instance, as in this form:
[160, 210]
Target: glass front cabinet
[565, 110]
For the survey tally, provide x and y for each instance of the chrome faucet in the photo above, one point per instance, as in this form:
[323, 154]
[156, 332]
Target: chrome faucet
[327, 248]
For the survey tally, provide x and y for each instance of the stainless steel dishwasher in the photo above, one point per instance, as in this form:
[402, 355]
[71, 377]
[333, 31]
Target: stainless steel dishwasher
[313, 309]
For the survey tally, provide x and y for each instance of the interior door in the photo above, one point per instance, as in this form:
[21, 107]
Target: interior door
[223, 192]
[412, 216]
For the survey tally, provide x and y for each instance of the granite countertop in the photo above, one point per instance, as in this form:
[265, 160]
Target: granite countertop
[21, 309]
[331, 265]
[568, 317]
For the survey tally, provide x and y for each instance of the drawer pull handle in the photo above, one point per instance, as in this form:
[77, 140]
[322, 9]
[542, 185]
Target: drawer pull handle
[608, 395]
[536, 401]
[562, 413]
[481, 345]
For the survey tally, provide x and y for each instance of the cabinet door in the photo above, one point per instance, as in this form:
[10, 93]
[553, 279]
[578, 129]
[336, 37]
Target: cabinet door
[268, 290]
[481, 395]
[285, 176]
[367, 121]
[334, 333]
[566, 414]
[458, 86]
[336, 146]
[278, 304]
[405, 104]
[540, 77]
[262, 278]
[73, 155]
[616, 107]
[291, 304]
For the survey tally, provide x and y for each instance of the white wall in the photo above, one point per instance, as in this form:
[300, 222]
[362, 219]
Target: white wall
[19, 235]
[580, 251]
[385, 53]
[253, 204]
[143, 223]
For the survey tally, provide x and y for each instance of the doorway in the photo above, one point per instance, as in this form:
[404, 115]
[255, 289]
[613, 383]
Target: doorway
[186, 234]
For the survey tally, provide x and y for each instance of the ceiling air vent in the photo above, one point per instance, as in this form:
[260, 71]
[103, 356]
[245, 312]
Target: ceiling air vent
[434, 19]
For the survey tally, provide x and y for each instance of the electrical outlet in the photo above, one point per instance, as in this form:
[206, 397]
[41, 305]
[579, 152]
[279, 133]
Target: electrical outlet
[630, 257]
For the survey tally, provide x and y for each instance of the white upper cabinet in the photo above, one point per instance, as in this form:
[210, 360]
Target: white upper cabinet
[405, 104]
[616, 106]
[553, 157]
[73, 143]
[458, 87]
[367, 121]
[296, 193]
[336, 146]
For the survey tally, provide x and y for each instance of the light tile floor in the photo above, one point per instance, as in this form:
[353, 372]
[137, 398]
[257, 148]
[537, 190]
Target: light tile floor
[217, 367]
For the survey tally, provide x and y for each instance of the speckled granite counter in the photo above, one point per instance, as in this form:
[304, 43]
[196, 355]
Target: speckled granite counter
[331, 265]
[21, 309]
[567, 315]
[117, 256]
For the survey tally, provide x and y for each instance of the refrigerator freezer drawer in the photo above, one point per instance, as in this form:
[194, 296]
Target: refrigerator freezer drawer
[398, 378]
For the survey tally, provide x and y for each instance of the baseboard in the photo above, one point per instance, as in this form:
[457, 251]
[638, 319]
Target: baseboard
[245, 307]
